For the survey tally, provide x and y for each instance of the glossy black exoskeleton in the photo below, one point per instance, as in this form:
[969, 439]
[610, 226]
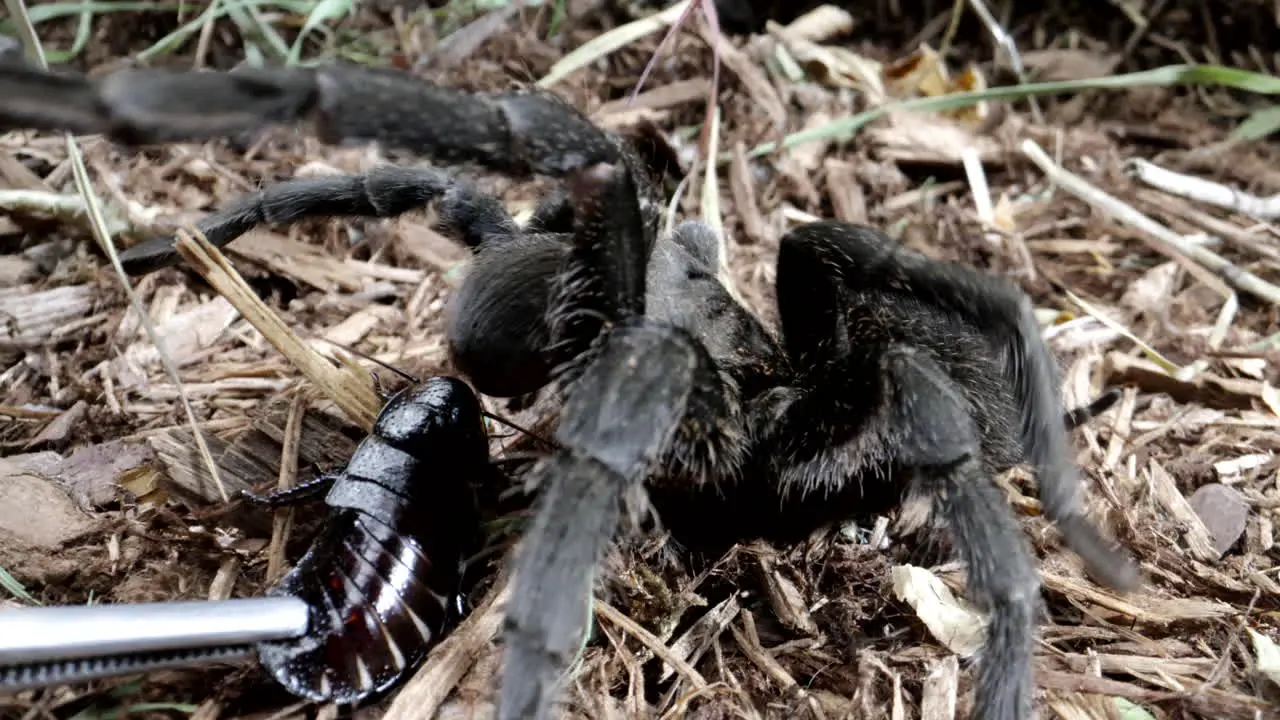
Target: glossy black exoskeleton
[383, 577]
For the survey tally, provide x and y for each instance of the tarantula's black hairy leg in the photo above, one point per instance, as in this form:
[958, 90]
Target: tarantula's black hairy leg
[867, 262]
[517, 133]
[1076, 417]
[512, 132]
[619, 419]
[602, 282]
[938, 441]
[38, 100]
[384, 192]
[497, 328]
[497, 318]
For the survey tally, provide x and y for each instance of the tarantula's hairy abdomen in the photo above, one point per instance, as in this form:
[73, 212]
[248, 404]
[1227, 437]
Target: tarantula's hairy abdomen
[497, 328]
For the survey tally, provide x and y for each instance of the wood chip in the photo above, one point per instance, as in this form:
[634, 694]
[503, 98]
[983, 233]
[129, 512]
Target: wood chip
[60, 430]
[15, 269]
[682, 92]
[35, 512]
[1205, 388]
[743, 187]
[1167, 495]
[821, 23]
[31, 316]
[847, 199]
[785, 598]
[919, 138]
[938, 696]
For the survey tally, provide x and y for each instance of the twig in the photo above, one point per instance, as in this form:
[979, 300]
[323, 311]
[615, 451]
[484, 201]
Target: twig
[1200, 190]
[1006, 43]
[650, 641]
[1159, 237]
[1209, 702]
[282, 520]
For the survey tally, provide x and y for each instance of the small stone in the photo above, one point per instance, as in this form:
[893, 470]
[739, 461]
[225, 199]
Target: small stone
[1224, 511]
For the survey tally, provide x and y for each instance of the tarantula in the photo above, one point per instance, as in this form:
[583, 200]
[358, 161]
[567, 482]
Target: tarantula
[895, 376]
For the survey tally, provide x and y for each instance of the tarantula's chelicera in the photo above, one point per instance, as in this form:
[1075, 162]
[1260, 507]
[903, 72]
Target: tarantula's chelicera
[896, 376]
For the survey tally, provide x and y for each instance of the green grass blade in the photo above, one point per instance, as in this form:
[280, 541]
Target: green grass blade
[1258, 125]
[1169, 75]
[15, 588]
[323, 12]
[54, 11]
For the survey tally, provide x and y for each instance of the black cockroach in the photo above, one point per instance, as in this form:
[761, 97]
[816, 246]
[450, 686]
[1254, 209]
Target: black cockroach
[384, 576]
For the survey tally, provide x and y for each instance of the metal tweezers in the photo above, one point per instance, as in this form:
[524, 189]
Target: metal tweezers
[59, 645]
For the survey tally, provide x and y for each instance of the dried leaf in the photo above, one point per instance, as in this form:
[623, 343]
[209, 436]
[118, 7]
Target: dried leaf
[956, 625]
[1268, 655]
[1131, 711]
[821, 23]
[1224, 512]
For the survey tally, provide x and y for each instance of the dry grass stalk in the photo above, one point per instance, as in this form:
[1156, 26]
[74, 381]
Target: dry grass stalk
[1159, 237]
[352, 391]
[282, 520]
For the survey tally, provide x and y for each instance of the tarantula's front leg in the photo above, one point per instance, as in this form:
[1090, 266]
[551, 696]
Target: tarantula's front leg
[384, 192]
[861, 260]
[514, 132]
[619, 420]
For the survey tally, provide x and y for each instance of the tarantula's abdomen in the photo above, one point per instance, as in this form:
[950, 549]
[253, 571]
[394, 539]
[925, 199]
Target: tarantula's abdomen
[497, 327]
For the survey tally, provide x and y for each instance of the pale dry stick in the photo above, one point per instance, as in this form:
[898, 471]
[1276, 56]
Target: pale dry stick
[1201, 190]
[981, 192]
[282, 520]
[1214, 703]
[430, 686]
[353, 392]
[650, 641]
[749, 642]
[1165, 363]
[1159, 237]
[1006, 43]
[609, 42]
[1260, 244]
[711, 206]
[98, 224]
